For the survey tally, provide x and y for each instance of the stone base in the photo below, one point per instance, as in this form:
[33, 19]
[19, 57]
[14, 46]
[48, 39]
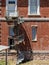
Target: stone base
[35, 56]
[41, 56]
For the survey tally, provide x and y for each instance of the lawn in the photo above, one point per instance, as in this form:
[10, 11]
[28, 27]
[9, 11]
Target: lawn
[33, 62]
[2, 62]
[37, 62]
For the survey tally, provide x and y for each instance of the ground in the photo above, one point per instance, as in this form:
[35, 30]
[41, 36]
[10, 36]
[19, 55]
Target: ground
[32, 62]
[12, 61]
[36, 62]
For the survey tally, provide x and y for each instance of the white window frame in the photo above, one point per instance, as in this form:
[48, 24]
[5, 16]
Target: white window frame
[38, 8]
[7, 6]
[36, 32]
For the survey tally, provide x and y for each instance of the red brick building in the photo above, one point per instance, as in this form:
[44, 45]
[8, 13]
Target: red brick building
[35, 14]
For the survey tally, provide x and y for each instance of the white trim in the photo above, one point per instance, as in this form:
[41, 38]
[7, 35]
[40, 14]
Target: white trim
[16, 6]
[38, 8]
[40, 51]
[35, 19]
[29, 19]
[28, 7]
[35, 40]
[2, 18]
[34, 26]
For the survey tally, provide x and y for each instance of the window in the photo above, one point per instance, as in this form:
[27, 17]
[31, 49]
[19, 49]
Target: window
[16, 30]
[11, 31]
[34, 33]
[11, 7]
[11, 43]
[33, 7]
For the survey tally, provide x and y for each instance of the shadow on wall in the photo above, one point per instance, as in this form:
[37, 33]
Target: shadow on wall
[44, 3]
[25, 46]
[22, 3]
[3, 3]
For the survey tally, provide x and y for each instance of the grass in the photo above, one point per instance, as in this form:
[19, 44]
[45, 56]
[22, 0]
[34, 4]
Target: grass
[33, 62]
[37, 62]
[10, 62]
[2, 62]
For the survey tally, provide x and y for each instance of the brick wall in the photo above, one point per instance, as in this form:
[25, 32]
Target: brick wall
[23, 8]
[3, 33]
[42, 42]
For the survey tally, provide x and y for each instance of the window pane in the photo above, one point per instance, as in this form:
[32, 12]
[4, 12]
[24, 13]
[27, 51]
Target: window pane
[11, 43]
[11, 7]
[34, 31]
[16, 30]
[33, 6]
[11, 31]
[11, 2]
